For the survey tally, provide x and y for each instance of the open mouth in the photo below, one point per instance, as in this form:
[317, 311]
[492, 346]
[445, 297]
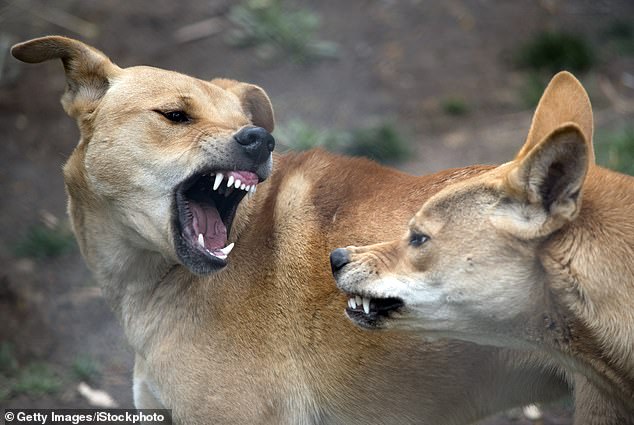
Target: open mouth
[370, 312]
[206, 205]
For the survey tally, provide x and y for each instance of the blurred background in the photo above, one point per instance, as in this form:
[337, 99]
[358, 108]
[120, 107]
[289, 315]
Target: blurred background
[421, 85]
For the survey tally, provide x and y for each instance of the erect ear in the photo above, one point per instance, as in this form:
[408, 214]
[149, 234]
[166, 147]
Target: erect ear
[544, 187]
[88, 71]
[254, 101]
[564, 101]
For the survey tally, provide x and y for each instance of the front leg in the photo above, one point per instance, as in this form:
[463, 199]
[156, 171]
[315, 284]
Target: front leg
[144, 396]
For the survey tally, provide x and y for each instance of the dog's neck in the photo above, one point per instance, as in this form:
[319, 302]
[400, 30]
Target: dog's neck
[126, 274]
[587, 284]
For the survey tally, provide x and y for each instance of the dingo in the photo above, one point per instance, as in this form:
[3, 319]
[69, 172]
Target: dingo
[228, 301]
[536, 254]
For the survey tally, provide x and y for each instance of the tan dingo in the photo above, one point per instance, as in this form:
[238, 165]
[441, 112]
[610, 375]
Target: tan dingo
[535, 254]
[228, 301]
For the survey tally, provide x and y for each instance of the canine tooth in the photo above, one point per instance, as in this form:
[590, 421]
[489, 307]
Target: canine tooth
[201, 240]
[353, 303]
[350, 302]
[227, 249]
[218, 180]
[230, 181]
[366, 305]
[237, 184]
[358, 300]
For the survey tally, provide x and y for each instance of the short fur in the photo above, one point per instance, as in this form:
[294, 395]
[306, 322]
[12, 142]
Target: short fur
[263, 340]
[536, 254]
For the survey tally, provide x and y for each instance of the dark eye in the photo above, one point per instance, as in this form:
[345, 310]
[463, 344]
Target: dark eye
[417, 239]
[175, 116]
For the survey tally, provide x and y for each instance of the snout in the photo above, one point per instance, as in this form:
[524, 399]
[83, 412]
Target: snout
[338, 259]
[370, 305]
[256, 143]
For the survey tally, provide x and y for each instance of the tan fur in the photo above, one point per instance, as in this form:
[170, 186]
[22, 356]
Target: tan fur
[536, 254]
[264, 340]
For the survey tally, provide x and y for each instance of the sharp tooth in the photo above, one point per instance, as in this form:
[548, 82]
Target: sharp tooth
[247, 188]
[366, 305]
[353, 303]
[230, 181]
[201, 240]
[358, 300]
[238, 183]
[218, 180]
[253, 189]
[350, 302]
[227, 249]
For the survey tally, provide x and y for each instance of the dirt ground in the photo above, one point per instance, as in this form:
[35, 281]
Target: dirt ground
[398, 61]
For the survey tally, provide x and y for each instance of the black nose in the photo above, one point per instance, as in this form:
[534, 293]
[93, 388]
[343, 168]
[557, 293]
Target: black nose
[338, 258]
[256, 142]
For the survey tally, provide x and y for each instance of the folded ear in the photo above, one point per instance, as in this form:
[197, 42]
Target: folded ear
[564, 101]
[544, 187]
[88, 71]
[255, 102]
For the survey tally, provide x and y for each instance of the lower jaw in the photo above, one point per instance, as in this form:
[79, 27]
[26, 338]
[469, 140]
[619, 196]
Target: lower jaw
[365, 321]
[192, 256]
[204, 266]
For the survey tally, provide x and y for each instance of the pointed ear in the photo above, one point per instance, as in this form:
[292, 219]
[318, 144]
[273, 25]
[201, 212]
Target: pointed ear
[544, 187]
[564, 101]
[255, 102]
[88, 71]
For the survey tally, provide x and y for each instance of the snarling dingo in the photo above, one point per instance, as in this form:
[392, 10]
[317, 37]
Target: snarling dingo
[536, 254]
[228, 300]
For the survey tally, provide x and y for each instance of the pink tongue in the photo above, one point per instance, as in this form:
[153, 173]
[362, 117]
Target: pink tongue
[207, 221]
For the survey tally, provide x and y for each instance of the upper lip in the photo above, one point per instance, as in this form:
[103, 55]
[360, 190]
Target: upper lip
[190, 180]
